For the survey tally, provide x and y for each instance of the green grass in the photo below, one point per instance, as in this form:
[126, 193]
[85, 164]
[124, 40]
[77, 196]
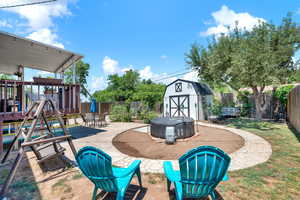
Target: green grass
[3, 174]
[77, 176]
[60, 183]
[25, 186]
[62, 186]
[22, 187]
[154, 178]
[279, 177]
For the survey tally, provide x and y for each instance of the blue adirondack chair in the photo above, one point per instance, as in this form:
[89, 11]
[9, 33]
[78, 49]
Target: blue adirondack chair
[201, 170]
[97, 166]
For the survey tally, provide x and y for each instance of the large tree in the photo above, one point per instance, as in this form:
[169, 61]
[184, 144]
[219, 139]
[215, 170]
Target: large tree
[123, 86]
[255, 59]
[129, 88]
[149, 93]
[81, 74]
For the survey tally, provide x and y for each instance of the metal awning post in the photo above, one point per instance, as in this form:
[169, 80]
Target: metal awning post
[74, 73]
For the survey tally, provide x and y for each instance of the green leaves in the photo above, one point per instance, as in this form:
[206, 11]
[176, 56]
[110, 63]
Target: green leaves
[6, 77]
[129, 88]
[256, 58]
[282, 93]
[149, 94]
[82, 72]
[260, 57]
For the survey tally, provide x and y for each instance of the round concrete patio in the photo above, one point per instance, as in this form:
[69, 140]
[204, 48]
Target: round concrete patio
[256, 150]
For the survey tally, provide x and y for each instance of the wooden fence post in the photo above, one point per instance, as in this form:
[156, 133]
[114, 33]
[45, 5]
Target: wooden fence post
[1, 137]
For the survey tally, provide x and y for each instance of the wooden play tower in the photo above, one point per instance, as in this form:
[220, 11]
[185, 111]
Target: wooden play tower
[17, 54]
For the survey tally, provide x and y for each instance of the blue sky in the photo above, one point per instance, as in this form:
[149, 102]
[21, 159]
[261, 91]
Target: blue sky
[149, 36]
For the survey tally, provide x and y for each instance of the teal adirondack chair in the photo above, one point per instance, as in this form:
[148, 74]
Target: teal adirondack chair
[97, 166]
[201, 170]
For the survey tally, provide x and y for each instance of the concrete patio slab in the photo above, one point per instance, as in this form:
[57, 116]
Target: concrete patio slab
[256, 150]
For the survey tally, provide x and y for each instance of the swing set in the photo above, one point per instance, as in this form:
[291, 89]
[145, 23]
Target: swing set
[46, 145]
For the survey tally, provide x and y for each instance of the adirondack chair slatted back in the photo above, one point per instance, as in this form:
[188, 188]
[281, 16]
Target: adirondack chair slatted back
[97, 166]
[201, 170]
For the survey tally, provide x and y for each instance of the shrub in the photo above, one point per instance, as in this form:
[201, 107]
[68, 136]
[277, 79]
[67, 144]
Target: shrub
[246, 105]
[149, 116]
[215, 109]
[282, 93]
[120, 113]
[146, 115]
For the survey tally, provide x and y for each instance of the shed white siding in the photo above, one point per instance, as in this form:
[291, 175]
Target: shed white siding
[178, 98]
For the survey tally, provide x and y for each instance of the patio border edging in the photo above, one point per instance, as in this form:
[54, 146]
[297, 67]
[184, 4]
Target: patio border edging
[256, 150]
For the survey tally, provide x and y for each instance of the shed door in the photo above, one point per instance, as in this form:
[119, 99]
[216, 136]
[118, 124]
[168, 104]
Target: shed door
[180, 106]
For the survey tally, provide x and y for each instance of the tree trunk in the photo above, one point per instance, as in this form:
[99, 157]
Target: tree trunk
[260, 103]
[258, 110]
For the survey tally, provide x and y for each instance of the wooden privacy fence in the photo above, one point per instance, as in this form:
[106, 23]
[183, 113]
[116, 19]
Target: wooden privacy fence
[293, 108]
[101, 108]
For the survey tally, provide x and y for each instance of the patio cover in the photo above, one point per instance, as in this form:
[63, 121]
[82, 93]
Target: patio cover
[15, 51]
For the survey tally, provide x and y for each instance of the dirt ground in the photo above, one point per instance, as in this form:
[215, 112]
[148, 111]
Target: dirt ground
[140, 144]
[60, 182]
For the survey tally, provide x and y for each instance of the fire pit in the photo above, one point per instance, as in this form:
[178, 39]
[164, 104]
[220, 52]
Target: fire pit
[183, 127]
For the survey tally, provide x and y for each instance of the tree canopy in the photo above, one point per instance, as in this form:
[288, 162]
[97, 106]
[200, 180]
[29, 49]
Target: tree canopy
[149, 93]
[82, 72]
[6, 77]
[257, 58]
[129, 88]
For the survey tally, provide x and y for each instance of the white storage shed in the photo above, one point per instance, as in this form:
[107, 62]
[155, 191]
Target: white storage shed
[185, 98]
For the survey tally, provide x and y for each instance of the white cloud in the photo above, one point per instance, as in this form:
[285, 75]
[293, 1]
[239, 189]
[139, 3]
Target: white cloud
[39, 20]
[167, 80]
[45, 73]
[98, 83]
[46, 36]
[225, 18]
[191, 76]
[40, 16]
[163, 57]
[164, 78]
[5, 24]
[110, 66]
[146, 73]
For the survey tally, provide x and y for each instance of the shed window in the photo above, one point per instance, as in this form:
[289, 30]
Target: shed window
[178, 87]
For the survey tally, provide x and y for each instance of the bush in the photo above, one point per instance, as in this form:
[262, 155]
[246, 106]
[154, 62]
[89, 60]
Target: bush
[282, 93]
[216, 108]
[120, 113]
[246, 105]
[146, 115]
[149, 116]
[246, 109]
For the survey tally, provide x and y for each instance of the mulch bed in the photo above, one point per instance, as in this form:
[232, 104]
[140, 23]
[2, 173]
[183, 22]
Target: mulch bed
[138, 144]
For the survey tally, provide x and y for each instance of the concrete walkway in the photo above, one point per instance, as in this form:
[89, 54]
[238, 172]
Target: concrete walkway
[256, 150]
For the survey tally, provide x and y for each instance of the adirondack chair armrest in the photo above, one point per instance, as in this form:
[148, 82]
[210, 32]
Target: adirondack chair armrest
[170, 172]
[226, 177]
[122, 172]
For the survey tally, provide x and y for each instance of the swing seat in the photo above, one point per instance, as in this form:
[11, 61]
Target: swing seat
[48, 151]
[47, 148]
